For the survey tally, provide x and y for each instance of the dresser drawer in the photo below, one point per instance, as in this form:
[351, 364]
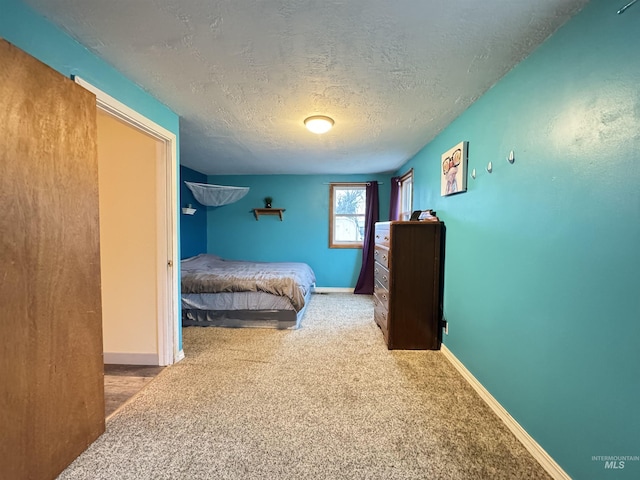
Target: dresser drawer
[380, 315]
[382, 234]
[380, 296]
[381, 255]
[381, 275]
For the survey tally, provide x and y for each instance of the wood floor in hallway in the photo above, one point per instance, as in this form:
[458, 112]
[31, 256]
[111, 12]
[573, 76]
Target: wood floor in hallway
[122, 382]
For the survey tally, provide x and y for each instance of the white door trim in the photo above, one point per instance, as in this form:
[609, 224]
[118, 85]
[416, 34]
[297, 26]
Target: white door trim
[168, 321]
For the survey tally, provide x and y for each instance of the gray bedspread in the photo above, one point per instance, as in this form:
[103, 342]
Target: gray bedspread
[206, 273]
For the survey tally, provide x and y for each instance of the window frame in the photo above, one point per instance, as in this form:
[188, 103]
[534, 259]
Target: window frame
[333, 186]
[406, 183]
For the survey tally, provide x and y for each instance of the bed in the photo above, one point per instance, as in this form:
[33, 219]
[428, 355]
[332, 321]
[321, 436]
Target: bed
[233, 293]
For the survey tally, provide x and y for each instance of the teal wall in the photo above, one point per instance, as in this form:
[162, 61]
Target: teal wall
[35, 35]
[302, 236]
[38, 37]
[193, 228]
[543, 256]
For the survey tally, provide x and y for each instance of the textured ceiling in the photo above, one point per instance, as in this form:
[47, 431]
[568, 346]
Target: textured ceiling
[244, 74]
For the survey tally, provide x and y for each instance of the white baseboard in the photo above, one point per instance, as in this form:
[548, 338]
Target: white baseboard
[543, 458]
[179, 356]
[131, 358]
[332, 290]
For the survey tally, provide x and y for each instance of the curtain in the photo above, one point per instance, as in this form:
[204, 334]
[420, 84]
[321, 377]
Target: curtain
[394, 206]
[364, 285]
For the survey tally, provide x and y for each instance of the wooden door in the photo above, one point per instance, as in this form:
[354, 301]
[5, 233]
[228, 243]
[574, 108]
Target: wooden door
[51, 369]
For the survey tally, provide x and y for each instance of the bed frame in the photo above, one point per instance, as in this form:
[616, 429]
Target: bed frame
[280, 319]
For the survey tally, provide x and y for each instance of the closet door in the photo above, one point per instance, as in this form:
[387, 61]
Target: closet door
[51, 370]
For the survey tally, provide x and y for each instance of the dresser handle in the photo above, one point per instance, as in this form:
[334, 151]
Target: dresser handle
[384, 277]
[384, 257]
[386, 238]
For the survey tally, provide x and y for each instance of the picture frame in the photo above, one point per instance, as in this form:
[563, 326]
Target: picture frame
[453, 170]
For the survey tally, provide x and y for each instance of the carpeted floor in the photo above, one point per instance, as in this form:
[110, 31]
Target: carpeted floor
[327, 401]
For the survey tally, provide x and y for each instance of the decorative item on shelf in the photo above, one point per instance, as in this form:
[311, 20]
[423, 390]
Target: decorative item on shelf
[188, 210]
[267, 202]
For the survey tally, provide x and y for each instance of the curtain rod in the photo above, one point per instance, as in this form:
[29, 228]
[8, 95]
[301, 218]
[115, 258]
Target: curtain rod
[350, 183]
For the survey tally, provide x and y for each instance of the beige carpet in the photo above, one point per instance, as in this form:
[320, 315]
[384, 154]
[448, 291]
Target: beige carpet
[327, 401]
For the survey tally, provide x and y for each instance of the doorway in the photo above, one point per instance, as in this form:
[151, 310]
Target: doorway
[137, 168]
[129, 191]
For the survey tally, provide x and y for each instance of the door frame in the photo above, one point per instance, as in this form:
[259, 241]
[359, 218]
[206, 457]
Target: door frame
[169, 351]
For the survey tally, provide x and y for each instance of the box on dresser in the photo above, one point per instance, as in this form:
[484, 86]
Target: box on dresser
[409, 260]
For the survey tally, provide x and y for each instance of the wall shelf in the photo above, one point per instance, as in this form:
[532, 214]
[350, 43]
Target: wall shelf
[268, 211]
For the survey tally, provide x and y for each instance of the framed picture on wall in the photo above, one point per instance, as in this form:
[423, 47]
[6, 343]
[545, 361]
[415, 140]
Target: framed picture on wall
[453, 178]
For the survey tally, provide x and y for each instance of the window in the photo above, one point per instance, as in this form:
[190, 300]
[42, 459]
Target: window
[406, 195]
[347, 214]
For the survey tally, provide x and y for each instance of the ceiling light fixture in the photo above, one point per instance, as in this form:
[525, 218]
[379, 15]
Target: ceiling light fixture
[319, 124]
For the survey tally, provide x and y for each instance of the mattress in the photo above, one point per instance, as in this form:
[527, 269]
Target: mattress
[207, 273]
[235, 301]
[231, 293]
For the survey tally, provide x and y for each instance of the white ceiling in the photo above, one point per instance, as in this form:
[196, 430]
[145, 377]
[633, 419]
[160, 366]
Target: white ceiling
[244, 74]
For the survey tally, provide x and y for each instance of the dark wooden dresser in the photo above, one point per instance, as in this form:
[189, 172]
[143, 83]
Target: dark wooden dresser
[408, 292]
